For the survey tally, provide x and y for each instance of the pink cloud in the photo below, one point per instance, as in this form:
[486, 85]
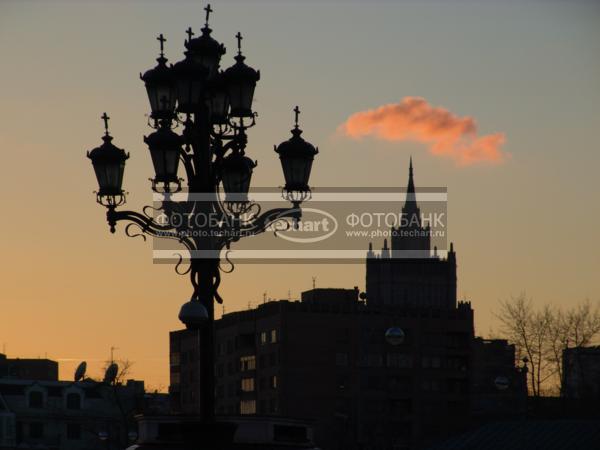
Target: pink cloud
[413, 119]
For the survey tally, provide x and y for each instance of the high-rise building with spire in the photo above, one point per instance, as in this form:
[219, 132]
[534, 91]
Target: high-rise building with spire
[410, 275]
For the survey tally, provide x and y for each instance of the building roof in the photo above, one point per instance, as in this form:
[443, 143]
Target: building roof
[529, 435]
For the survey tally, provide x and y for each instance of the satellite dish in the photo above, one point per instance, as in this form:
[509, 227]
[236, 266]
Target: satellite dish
[394, 336]
[80, 371]
[501, 383]
[111, 373]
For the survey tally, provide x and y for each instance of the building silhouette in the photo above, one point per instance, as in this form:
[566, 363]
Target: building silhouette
[28, 369]
[67, 415]
[409, 274]
[392, 369]
[581, 373]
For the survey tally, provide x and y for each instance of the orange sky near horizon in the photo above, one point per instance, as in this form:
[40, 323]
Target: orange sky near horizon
[71, 290]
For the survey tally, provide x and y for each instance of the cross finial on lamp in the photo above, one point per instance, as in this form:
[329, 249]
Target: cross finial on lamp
[296, 114]
[190, 33]
[208, 10]
[162, 41]
[106, 119]
[239, 39]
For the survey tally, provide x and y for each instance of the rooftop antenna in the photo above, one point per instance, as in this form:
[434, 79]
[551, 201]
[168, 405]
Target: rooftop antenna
[314, 280]
[264, 297]
[289, 294]
[112, 353]
[223, 310]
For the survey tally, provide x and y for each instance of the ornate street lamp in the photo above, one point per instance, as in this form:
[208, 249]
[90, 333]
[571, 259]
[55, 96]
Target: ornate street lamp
[211, 107]
[160, 86]
[109, 166]
[241, 81]
[204, 49]
[165, 149]
[296, 157]
[236, 173]
[190, 77]
[218, 100]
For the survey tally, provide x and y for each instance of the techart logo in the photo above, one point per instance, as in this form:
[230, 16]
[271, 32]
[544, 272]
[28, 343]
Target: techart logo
[316, 226]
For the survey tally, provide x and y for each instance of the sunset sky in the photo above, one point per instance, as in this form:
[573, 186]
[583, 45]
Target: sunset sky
[497, 101]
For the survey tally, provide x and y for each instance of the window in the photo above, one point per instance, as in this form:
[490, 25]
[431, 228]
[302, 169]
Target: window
[73, 431]
[341, 359]
[374, 360]
[273, 382]
[36, 399]
[36, 430]
[399, 360]
[247, 363]
[73, 401]
[431, 362]
[273, 359]
[175, 359]
[175, 378]
[248, 384]
[273, 336]
[273, 405]
[263, 338]
[247, 407]
[431, 385]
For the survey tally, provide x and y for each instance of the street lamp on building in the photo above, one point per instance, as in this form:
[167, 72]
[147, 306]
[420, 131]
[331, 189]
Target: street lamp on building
[214, 110]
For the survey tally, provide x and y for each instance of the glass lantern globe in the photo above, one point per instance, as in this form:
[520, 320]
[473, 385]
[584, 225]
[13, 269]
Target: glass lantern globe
[165, 148]
[241, 82]
[109, 166]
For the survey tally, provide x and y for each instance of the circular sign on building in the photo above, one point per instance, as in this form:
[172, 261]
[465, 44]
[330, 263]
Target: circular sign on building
[501, 383]
[394, 336]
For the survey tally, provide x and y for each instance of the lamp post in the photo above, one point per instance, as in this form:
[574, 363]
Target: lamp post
[214, 109]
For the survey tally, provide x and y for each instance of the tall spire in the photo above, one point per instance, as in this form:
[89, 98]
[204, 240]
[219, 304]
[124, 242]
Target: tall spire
[410, 189]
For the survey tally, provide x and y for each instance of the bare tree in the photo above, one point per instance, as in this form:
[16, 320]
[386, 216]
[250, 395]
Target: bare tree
[527, 329]
[575, 327]
[543, 334]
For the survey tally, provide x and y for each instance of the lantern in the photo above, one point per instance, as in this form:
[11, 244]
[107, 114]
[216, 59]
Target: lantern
[160, 87]
[296, 157]
[218, 100]
[165, 148]
[241, 81]
[206, 51]
[189, 77]
[236, 173]
[109, 166]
